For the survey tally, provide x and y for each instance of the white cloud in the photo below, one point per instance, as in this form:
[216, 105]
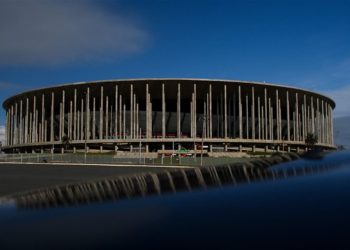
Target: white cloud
[55, 32]
[341, 96]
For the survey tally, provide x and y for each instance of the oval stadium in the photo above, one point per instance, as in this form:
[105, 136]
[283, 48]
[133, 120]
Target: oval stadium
[156, 115]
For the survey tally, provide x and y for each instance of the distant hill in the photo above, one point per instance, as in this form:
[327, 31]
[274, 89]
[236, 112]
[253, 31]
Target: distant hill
[342, 131]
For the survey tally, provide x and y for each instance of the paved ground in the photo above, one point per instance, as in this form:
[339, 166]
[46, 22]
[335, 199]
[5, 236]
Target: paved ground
[23, 177]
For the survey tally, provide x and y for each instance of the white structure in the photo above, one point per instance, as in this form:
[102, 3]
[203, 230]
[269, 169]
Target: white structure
[227, 114]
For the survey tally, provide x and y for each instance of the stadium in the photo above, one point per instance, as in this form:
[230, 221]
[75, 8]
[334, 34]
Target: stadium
[156, 115]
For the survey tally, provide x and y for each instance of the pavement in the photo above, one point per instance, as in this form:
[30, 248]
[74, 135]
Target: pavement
[16, 177]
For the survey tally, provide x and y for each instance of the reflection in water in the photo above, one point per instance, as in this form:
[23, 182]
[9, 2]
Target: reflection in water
[171, 181]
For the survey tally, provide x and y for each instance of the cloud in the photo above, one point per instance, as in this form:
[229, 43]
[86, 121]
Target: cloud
[36, 32]
[341, 96]
[9, 85]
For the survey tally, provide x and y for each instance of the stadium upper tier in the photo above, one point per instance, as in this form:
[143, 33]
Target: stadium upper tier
[161, 112]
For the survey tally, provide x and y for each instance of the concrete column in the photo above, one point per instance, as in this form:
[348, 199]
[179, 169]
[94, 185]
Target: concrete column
[116, 112]
[277, 117]
[265, 112]
[82, 131]
[225, 111]
[138, 135]
[21, 122]
[297, 116]
[106, 122]
[131, 111]
[259, 119]
[207, 118]
[318, 118]
[34, 119]
[304, 118]
[121, 131]
[163, 111]
[26, 129]
[195, 110]
[87, 122]
[134, 118]
[42, 115]
[312, 116]
[52, 116]
[75, 115]
[288, 116]
[253, 114]
[63, 112]
[147, 111]
[124, 111]
[240, 112]
[178, 112]
[30, 140]
[101, 115]
[210, 112]
[270, 120]
[70, 120]
[78, 125]
[322, 122]
[247, 116]
[94, 119]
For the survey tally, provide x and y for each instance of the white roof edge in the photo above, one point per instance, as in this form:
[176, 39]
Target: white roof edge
[168, 79]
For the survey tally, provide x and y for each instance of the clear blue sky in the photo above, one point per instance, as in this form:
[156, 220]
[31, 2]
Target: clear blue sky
[299, 43]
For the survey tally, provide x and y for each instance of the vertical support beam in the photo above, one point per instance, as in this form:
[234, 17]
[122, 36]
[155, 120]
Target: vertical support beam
[116, 113]
[277, 117]
[247, 115]
[63, 112]
[312, 116]
[21, 122]
[253, 114]
[195, 110]
[304, 118]
[124, 111]
[34, 119]
[318, 118]
[94, 119]
[288, 116]
[70, 120]
[42, 115]
[87, 122]
[82, 131]
[75, 115]
[26, 129]
[131, 111]
[178, 116]
[106, 117]
[163, 111]
[297, 117]
[322, 122]
[259, 119]
[121, 131]
[240, 112]
[210, 112]
[225, 111]
[52, 137]
[101, 116]
[147, 110]
[266, 127]
[270, 120]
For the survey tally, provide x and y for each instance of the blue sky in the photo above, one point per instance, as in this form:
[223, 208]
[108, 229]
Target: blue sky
[300, 43]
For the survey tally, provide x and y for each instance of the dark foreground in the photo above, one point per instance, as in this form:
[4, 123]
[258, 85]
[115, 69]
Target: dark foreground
[15, 178]
[303, 204]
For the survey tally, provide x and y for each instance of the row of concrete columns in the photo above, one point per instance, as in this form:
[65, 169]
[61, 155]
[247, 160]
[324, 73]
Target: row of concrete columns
[260, 120]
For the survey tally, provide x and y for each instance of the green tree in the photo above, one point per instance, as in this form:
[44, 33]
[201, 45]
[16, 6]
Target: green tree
[311, 140]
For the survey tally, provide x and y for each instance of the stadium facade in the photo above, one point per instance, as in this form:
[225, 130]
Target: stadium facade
[225, 115]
